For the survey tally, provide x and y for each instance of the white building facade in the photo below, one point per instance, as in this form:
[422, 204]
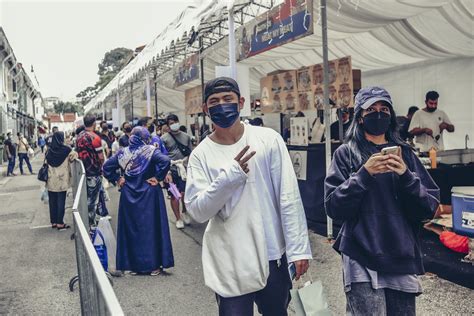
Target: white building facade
[21, 105]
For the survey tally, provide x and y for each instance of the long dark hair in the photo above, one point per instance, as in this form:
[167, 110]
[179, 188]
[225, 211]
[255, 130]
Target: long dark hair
[360, 146]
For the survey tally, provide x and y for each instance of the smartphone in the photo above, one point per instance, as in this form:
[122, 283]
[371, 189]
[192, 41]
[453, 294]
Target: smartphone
[394, 150]
[292, 270]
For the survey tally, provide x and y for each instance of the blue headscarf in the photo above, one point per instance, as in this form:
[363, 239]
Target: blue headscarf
[135, 158]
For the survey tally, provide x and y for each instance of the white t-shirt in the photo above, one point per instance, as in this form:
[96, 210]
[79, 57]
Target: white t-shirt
[253, 218]
[424, 119]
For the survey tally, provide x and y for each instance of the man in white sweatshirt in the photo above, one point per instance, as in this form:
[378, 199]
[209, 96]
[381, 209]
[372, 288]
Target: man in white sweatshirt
[242, 181]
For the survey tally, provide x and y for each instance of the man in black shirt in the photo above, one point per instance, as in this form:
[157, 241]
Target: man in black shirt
[127, 130]
[346, 122]
[404, 124]
[107, 136]
[50, 137]
[11, 154]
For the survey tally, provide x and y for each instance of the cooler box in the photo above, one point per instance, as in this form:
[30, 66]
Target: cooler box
[462, 200]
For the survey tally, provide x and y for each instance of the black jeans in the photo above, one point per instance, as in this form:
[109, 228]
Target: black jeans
[27, 160]
[362, 299]
[57, 205]
[273, 300]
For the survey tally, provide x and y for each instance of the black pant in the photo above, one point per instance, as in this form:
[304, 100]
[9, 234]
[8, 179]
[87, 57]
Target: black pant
[57, 204]
[273, 300]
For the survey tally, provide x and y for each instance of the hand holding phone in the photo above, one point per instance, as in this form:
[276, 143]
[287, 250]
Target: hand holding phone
[394, 150]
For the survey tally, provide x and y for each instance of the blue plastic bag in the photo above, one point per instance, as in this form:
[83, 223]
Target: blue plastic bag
[101, 249]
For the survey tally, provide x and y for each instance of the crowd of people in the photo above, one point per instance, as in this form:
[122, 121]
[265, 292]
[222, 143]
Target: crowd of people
[240, 180]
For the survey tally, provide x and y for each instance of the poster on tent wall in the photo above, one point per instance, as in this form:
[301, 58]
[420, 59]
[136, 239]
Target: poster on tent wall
[193, 100]
[187, 71]
[299, 161]
[287, 22]
[341, 83]
[279, 92]
[305, 91]
[299, 131]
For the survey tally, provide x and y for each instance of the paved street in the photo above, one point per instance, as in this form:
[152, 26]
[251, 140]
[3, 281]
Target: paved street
[37, 263]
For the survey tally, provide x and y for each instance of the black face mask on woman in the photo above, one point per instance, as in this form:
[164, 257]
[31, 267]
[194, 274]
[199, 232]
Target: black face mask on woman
[376, 123]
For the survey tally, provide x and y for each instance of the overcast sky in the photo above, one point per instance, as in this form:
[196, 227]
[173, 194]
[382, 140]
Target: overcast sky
[66, 40]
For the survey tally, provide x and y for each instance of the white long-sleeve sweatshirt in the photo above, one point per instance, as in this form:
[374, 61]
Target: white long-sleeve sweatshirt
[253, 218]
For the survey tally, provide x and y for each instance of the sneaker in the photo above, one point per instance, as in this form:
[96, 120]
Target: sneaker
[186, 219]
[179, 224]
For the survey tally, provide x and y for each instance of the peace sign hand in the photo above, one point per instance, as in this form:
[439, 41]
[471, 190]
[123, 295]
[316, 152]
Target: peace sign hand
[243, 161]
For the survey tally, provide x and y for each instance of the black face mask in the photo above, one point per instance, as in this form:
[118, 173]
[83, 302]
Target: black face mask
[431, 110]
[376, 123]
[128, 129]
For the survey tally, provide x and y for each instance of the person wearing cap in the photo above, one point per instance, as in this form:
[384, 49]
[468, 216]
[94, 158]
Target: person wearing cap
[429, 124]
[381, 199]
[241, 180]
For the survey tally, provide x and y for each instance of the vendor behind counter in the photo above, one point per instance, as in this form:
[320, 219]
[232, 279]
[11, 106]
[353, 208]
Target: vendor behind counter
[428, 124]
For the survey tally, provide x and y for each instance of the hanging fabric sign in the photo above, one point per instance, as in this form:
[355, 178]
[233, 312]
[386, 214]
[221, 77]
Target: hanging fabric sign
[187, 71]
[287, 22]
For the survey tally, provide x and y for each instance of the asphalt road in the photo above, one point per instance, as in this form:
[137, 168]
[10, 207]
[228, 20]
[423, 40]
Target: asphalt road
[37, 262]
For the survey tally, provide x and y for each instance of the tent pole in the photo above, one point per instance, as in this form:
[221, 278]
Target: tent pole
[232, 60]
[156, 95]
[148, 96]
[201, 65]
[341, 126]
[117, 100]
[327, 106]
[131, 97]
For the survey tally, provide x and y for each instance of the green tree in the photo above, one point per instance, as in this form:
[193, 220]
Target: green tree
[68, 107]
[111, 64]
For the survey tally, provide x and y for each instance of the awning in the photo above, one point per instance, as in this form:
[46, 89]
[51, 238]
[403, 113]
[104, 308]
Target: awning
[376, 34]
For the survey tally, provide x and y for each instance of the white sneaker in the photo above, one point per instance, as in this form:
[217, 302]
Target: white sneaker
[179, 224]
[186, 219]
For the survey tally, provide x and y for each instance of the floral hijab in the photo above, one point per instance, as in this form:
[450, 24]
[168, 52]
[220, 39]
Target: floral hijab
[135, 158]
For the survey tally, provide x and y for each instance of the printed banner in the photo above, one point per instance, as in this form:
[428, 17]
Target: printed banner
[291, 20]
[188, 70]
[299, 131]
[193, 100]
[341, 84]
[279, 92]
[305, 94]
[302, 89]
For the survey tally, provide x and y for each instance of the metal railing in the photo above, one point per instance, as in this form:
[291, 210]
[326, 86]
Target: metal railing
[96, 292]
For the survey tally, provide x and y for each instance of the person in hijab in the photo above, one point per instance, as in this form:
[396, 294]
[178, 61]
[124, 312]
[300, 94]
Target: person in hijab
[58, 158]
[143, 237]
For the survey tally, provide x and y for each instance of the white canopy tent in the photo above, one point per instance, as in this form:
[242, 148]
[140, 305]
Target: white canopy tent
[407, 46]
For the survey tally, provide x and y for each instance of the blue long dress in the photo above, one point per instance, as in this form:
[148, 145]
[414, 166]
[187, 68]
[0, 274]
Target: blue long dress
[143, 237]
